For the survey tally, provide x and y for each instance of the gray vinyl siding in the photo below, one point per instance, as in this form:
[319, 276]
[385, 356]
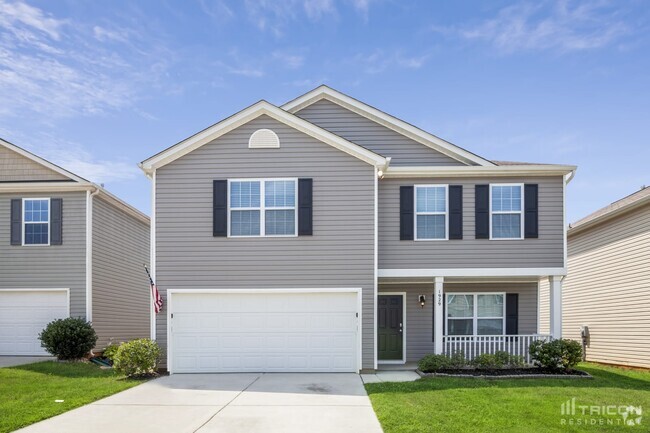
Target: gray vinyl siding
[372, 135]
[608, 289]
[120, 286]
[419, 321]
[15, 167]
[55, 266]
[339, 254]
[546, 251]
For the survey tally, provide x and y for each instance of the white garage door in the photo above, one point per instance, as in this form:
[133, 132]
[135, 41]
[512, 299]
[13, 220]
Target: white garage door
[264, 332]
[24, 314]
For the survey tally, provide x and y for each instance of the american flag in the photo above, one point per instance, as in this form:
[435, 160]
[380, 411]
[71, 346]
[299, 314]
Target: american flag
[155, 294]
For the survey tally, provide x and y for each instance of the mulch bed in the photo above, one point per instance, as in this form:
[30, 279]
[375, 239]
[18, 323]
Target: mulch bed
[509, 373]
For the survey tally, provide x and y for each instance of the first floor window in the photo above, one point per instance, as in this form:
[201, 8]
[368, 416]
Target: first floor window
[475, 313]
[430, 212]
[36, 221]
[263, 207]
[506, 211]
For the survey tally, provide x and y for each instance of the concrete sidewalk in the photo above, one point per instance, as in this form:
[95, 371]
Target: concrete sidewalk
[272, 402]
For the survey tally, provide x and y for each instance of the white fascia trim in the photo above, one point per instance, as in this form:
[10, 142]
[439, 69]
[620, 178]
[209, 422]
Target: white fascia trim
[572, 230]
[48, 289]
[89, 254]
[41, 161]
[471, 272]
[260, 108]
[357, 291]
[403, 172]
[391, 122]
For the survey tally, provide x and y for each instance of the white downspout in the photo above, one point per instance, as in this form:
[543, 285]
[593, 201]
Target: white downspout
[89, 253]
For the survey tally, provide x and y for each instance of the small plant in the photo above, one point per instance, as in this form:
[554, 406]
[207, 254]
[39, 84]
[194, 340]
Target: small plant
[563, 354]
[488, 361]
[432, 363]
[137, 357]
[68, 339]
[457, 360]
[110, 351]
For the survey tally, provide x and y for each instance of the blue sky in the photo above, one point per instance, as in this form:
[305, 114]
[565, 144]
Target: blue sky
[100, 86]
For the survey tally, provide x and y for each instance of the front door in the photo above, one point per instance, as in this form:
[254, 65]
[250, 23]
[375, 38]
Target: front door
[390, 322]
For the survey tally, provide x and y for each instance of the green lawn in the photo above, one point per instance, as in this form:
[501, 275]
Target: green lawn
[28, 392]
[520, 405]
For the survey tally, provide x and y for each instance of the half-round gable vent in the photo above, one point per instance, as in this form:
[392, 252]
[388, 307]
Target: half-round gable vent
[264, 139]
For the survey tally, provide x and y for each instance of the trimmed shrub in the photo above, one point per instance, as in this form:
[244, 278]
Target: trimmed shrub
[137, 357]
[457, 360]
[563, 354]
[432, 363]
[488, 361]
[110, 351]
[68, 339]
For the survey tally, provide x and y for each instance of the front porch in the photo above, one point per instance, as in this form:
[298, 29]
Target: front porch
[417, 316]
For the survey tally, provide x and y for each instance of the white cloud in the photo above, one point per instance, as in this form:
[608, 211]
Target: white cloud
[315, 9]
[247, 72]
[12, 13]
[291, 61]
[549, 25]
[379, 60]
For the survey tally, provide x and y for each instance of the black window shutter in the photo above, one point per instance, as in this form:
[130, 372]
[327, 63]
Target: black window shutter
[455, 212]
[482, 210]
[16, 221]
[512, 313]
[406, 213]
[531, 219]
[305, 207]
[220, 208]
[56, 221]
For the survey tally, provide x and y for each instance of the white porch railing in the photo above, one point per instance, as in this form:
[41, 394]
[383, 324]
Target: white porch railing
[474, 345]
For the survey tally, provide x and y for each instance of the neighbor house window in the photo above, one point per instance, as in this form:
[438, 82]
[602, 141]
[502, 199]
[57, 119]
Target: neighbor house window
[430, 212]
[36, 221]
[263, 207]
[475, 313]
[506, 211]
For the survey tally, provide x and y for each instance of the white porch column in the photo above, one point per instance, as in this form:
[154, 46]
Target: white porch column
[438, 299]
[555, 292]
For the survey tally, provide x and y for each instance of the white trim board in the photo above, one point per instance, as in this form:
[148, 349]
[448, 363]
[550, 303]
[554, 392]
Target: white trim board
[384, 119]
[357, 291]
[402, 172]
[404, 330]
[471, 272]
[254, 111]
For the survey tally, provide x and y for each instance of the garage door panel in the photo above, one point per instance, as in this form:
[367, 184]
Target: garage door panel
[264, 332]
[24, 314]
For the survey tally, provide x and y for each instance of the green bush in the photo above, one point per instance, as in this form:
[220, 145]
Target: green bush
[68, 339]
[457, 360]
[137, 357]
[110, 351]
[560, 354]
[432, 363]
[487, 361]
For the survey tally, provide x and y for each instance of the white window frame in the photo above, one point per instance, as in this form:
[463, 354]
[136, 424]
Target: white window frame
[475, 317]
[520, 212]
[263, 208]
[49, 219]
[416, 213]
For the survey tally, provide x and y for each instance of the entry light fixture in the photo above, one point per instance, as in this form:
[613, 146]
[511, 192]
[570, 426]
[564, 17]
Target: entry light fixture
[423, 300]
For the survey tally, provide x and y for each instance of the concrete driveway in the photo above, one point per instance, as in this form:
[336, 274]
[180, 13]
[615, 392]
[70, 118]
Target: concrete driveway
[11, 361]
[205, 403]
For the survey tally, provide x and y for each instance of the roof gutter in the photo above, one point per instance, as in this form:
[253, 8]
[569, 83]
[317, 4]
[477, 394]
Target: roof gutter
[478, 171]
[608, 216]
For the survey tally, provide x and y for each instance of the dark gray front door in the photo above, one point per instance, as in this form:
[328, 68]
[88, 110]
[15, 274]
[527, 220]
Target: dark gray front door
[390, 327]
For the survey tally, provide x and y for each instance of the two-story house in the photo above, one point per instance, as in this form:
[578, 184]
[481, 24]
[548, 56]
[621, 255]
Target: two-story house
[68, 248]
[326, 235]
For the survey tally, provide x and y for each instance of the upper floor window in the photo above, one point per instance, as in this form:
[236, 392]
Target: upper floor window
[475, 313]
[263, 207]
[431, 212]
[506, 211]
[36, 221]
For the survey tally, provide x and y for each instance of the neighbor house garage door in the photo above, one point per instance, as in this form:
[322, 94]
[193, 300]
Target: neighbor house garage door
[24, 314]
[264, 332]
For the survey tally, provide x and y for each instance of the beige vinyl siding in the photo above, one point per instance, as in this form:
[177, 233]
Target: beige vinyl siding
[55, 266]
[419, 321]
[120, 286]
[546, 251]
[608, 289]
[339, 254]
[15, 167]
[372, 135]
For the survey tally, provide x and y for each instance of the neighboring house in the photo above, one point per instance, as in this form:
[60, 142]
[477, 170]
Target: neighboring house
[67, 248]
[326, 235]
[607, 288]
